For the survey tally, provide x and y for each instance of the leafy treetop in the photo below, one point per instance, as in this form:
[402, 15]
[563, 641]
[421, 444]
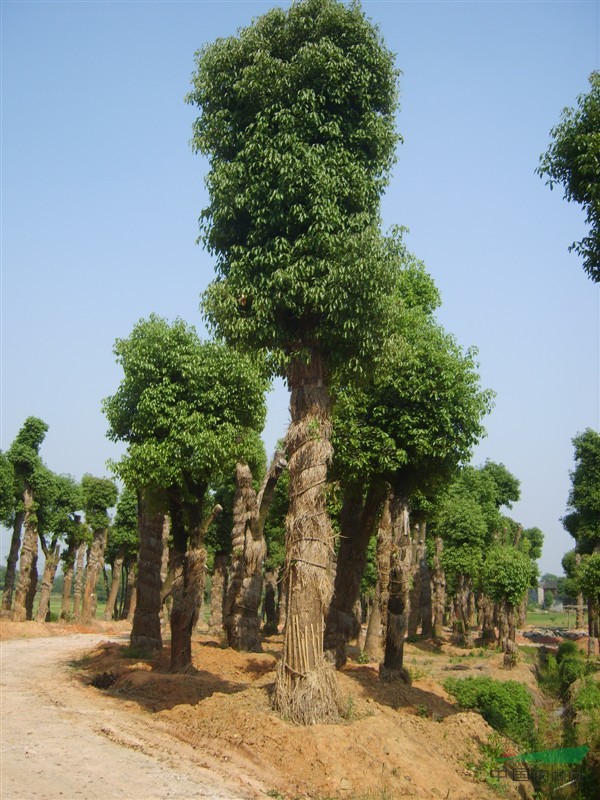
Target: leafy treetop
[297, 119]
[99, 495]
[573, 160]
[583, 518]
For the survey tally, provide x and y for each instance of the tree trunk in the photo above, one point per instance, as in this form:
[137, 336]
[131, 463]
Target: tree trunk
[269, 604]
[358, 521]
[486, 616]
[187, 590]
[115, 584]
[65, 608]
[306, 689]
[399, 593]
[145, 632]
[218, 591]
[378, 616]
[79, 581]
[438, 590]
[282, 602]
[94, 567]
[11, 564]
[414, 613]
[131, 593]
[425, 600]
[461, 629]
[249, 549]
[27, 559]
[50, 567]
[33, 582]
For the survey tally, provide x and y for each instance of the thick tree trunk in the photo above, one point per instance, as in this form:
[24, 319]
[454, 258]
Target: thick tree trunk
[438, 590]
[282, 594]
[374, 643]
[249, 549]
[218, 591]
[486, 618]
[269, 605]
[11, 564]
[94, 567]
[50, 567]
[187, 591]
[358, 522]
[461, 628]
[79, 580]
[425, 600]
[306, 689]
[69, 567]
[115, 584]
[414, 613]
[145, 633]
[27, 559]
[131, 593]
[33, 582]
[399, 593]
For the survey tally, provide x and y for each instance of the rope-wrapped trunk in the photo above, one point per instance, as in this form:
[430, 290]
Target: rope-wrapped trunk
[399, 591]
[146, 618]
[374, 641]
[306, 688]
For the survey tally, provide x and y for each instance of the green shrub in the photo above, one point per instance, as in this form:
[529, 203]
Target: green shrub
[548, 676]
[505, 705]
[567, 648]
[571, 668]
[587, 697]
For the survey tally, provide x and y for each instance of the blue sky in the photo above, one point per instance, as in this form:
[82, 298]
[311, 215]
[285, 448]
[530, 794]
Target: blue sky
[101, 194]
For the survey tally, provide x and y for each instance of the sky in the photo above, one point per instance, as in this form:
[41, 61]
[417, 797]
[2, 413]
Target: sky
[101, 194]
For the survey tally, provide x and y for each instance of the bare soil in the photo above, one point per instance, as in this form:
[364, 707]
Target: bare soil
[211, 733]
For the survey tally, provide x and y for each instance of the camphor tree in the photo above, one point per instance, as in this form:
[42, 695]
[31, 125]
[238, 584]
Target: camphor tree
[123, 545]
[58, 503]
[573, 161]
[99, 495]
[388, 434]
[23, 455]
[582, 520]
[297, 119]
[188, 412]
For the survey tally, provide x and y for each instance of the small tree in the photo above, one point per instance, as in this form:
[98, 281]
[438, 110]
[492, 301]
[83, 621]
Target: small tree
[99, 495]
[548, 599]
[506, 577]
[573, 160]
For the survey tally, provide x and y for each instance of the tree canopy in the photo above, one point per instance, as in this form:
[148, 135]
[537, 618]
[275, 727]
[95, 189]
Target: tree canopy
[573, 160]
[297, 119]
[582, 520]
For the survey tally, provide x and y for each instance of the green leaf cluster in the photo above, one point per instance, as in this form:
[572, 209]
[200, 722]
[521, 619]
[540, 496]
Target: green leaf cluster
[297, 119]
[505, 705]
[99, 495]
[186, 409]
[506, 574]
[573, 161]
[582, 520]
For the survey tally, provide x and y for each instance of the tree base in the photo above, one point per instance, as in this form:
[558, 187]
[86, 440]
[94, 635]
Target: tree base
[388, 675]
[310, 699]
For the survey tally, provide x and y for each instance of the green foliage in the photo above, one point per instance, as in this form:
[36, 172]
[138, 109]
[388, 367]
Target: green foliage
[506, 574]
[23, 457]
[57, 500]
[123, 534]
[99, 495]
[566, 648]
[7, 487]
[186, 409]
[548, 598]
[583, 518]
[505, 705]
[507, 487]
[275, 524]
[297, 119]
[571, 668]
[573, 161]
[589, 578]
[587, 697]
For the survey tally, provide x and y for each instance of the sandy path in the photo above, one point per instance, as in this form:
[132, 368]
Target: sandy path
[63, 741]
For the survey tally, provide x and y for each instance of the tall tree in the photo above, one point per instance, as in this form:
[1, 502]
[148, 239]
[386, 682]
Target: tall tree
[573, 161]
[297, 119]
[123, 544]
[99, 495]
[23, 455]
[188, 411]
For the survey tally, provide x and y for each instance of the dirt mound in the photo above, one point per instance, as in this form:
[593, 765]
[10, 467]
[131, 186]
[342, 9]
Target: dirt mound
[408, 741]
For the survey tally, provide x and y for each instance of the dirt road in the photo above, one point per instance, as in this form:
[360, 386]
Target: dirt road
[64, 741]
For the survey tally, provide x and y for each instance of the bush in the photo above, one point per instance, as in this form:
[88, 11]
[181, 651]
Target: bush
[571, 668]
[567, 648]
[505, 705]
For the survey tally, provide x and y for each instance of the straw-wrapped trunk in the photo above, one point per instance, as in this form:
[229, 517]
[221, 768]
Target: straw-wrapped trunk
[218, 591]
[358, 522]
[399, 590]
[188, 587]
[249, 549]
[269, 603]
[374, 641]
[306, 689]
